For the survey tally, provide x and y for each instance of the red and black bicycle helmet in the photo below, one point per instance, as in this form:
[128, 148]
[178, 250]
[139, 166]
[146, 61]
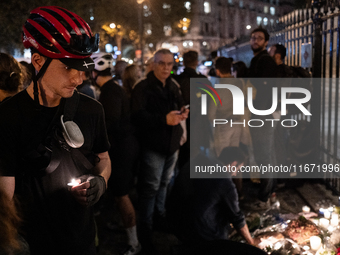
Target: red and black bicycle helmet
[58, 33]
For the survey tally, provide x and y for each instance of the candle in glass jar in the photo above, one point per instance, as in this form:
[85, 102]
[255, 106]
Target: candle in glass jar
[324, 223]
[315, 243]
[334, 222]
[305, 209]
[326, 214]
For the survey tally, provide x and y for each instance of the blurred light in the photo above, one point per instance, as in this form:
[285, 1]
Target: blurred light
[115, 48]
[149, 32]
[185, 44]
[181, 59]
[140, 1]
[191, 44]
[130, 61]
[248, 27]
[184, 19]
[187, 5]
[118, 52]
[204, 43]
[91, 18]
[174, 49]
[112, 25]
[150, 45]
[27, 53]
[108, 47]
[184, 28]
[119, 26]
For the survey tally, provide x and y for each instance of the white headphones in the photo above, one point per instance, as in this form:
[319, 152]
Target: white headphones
[72, 133]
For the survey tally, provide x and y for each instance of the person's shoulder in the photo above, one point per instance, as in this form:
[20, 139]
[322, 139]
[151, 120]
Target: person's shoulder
[88, 103]
[15, 102]
[141, 84]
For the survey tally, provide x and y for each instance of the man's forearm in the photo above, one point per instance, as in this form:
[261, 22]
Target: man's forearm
[103, 167]
[244, 232]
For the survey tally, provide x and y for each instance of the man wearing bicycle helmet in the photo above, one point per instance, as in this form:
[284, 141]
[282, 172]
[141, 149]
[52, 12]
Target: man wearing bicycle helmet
[51, 134]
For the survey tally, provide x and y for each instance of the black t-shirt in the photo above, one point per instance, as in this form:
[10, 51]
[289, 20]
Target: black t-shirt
[53, 222]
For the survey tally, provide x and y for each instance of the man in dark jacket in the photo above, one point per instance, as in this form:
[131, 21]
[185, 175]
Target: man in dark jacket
[157, 108]
[263, 66]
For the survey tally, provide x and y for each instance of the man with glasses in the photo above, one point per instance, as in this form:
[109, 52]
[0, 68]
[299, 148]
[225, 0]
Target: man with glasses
[262, 66]
[157, 108]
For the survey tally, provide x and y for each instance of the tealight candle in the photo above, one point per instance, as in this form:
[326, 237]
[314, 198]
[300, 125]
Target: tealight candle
[324, 223]
[327, 214]
[305, 209]
[315, 243]
[73, 183]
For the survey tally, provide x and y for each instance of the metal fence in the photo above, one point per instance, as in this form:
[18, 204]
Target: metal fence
[300, 27]
[319, 26]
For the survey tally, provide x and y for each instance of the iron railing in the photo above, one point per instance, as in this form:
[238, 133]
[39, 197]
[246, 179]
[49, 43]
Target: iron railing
[319, 25]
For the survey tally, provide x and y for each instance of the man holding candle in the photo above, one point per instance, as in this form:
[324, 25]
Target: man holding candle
[51, 134]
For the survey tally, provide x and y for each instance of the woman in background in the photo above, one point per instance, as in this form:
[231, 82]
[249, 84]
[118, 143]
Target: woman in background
[10, 77]
[131, 75]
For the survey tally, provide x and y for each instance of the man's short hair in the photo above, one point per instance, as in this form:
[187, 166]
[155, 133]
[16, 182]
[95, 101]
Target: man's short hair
[159, 52]
[223, 65]
[231, 154]
[280, 49]
[106, 72]
[190, 58]
[120, 67]
[264, 31]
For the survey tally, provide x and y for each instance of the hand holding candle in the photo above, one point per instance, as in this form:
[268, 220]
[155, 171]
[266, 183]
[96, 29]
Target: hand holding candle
[79, 191]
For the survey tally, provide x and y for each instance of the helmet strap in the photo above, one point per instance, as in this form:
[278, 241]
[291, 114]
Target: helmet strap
[36, 77]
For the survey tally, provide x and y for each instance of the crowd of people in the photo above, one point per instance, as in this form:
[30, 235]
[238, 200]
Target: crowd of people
[71, 130]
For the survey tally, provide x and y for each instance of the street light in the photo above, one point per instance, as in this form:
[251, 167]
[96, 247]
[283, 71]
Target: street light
[112, 25]
[140, 22]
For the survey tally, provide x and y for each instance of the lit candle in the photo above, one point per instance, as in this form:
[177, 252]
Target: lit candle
[324, 223]
[315, 243]
[305, 209]
[334, 222]
[334, 215]
[326, 214]
[321, 210]
[73, 183]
